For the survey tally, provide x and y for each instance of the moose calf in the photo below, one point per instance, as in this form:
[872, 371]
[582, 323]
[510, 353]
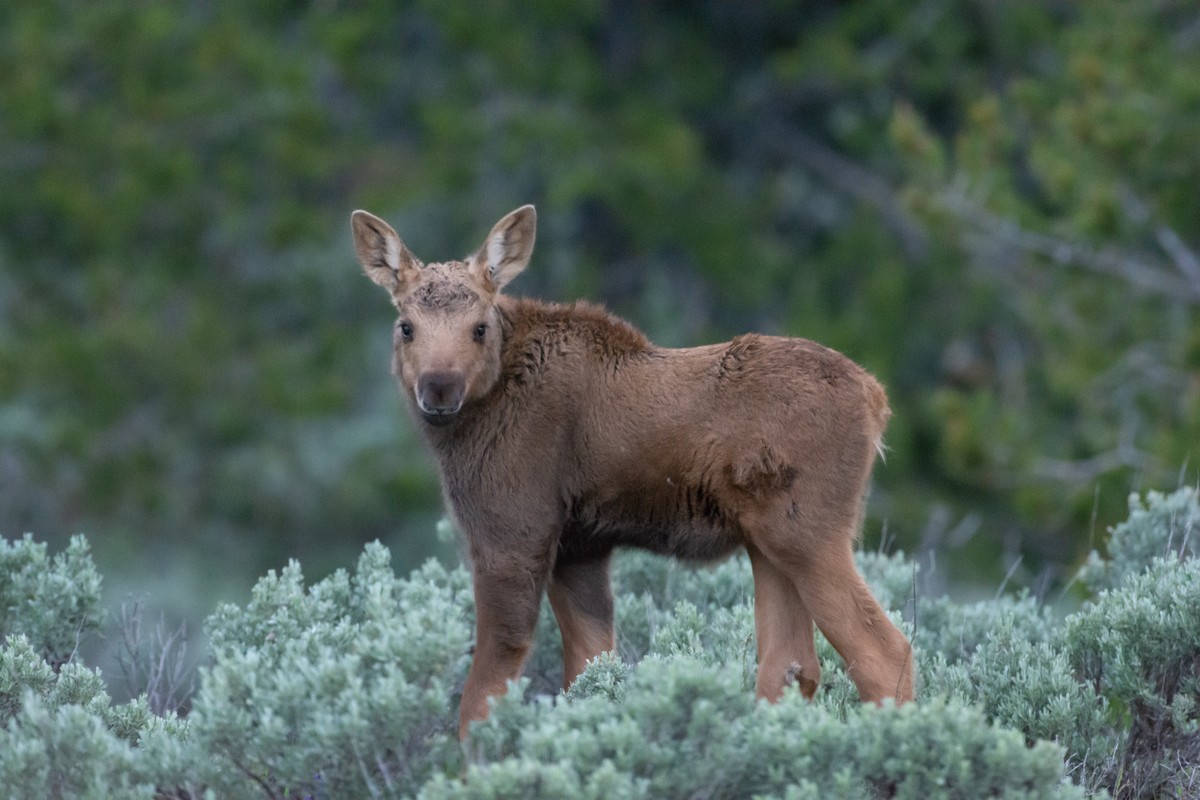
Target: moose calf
[562, 433]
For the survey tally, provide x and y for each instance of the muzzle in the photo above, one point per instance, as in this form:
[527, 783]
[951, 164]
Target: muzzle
[440, 396]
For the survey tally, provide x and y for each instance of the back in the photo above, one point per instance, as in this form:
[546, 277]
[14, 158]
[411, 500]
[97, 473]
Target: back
[662, 448]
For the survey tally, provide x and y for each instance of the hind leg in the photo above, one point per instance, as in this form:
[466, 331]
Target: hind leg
[878, 657]
[784, 630]
[581, 597]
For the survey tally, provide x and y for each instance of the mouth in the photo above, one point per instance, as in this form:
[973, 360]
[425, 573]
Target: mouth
[439, 418]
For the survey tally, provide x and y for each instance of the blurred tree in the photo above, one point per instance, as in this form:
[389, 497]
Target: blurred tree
[1069, 190]
[991, 206]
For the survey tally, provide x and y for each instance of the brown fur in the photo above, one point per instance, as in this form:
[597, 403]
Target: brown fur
[562, 433]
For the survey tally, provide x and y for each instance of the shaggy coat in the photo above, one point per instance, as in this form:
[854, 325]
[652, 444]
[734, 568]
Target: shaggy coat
[562, 433]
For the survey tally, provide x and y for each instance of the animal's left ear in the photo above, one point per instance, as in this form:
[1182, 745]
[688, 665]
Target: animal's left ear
[507, 250]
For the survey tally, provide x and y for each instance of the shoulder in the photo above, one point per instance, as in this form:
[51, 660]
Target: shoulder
[580, 323]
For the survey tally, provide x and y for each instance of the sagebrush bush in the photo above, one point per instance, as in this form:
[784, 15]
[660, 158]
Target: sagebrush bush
[341, 689]
[71, 742]
[683, 729]
[1158, 526]
[1138, 648]
[54, 601]
[347, 687]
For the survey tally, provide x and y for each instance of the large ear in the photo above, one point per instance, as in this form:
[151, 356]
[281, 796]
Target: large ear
[383, 256]
[506, 251]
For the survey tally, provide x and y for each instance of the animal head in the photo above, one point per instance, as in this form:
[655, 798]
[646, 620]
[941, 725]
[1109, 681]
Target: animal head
[447, 338]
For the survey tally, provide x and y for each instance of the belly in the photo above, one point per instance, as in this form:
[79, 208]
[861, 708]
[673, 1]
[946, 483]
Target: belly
[682, 522]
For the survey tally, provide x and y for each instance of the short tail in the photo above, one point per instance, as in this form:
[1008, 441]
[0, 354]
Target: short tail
[880, 414]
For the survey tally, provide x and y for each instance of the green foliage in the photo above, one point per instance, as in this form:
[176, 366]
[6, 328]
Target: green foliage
[1027, 687]
[955, 630]
[1158, 526]
[53, 601]
[21, 668]
[1066, 186]
[60, 735]
[66, 752]
[683, 729]
[341, 688]
[67, 740]
[992, 206]
[605, 675]
[965, 198]
[346, 687]
[1138, 647]
[1117, 682]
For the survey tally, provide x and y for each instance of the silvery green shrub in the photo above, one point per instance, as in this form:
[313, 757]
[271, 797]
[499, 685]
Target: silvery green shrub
[53, 601]
[347, 687]
[1158, 525]
[1027, 686]
[1117, 682]
[60, 734]
[682, 728]
[341, 689]
[69, 741]
[1138, 647]
[955, 630]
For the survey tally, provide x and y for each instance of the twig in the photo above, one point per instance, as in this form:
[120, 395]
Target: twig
[1087, 469]
[1105, 260]
[266, 787]
[1008, 576]
[857, 181]
[1181, 255]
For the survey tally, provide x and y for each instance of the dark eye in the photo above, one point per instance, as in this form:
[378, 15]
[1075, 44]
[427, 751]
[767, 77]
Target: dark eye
[480, 331]
[405, 331]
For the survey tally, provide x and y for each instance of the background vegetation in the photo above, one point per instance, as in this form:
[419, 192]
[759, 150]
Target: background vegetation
[992, 206]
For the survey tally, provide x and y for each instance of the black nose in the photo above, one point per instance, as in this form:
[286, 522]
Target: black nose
[440, 395]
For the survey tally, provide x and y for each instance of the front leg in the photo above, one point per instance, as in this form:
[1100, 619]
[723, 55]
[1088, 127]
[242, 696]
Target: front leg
[506, 611]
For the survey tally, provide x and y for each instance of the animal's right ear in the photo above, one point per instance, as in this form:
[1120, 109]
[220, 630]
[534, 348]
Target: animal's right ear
[383, 256]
